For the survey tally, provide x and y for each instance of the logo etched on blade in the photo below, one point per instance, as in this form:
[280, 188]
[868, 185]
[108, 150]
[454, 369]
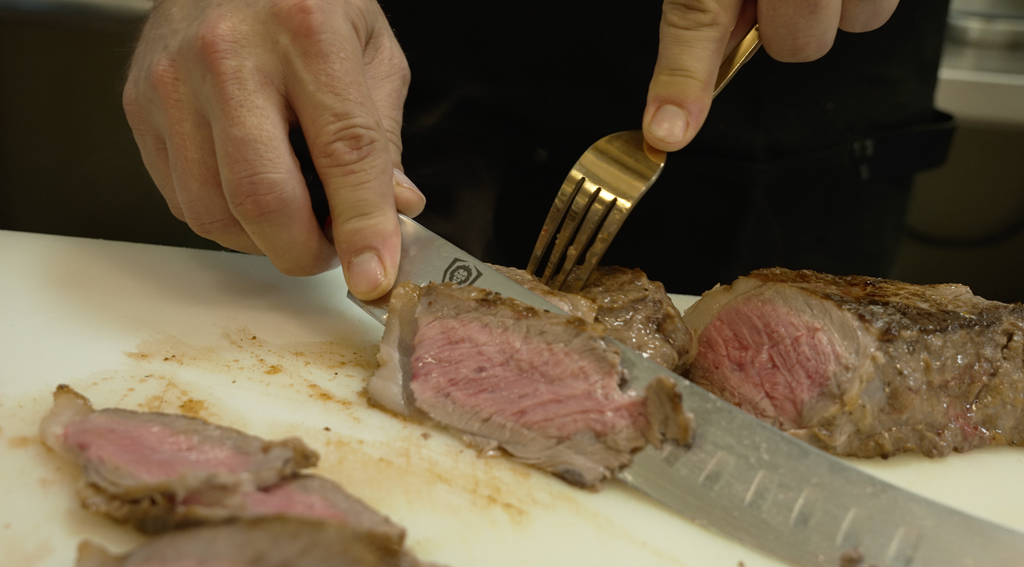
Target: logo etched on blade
[461, 273]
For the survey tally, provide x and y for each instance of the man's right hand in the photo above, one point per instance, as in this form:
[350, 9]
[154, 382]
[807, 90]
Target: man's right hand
[213, 90]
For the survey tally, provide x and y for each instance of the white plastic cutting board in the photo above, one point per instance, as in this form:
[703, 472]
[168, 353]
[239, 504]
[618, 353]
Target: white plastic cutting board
[227, 338]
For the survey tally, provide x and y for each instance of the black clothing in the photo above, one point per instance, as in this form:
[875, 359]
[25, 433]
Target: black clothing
[798, 165]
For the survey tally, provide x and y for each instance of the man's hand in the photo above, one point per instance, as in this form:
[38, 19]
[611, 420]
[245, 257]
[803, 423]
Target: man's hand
[213, 90]
[696, 35]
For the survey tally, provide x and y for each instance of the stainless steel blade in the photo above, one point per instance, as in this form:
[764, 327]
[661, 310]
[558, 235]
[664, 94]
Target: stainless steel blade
[750, 481]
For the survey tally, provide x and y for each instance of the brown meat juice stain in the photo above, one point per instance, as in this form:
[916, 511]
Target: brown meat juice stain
[249, 360]
[171, 398]
[416, 474]
[22, 441]
[194, 408]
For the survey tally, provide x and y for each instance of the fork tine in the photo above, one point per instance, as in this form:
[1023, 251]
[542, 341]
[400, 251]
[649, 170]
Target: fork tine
[575, 212]
[578, 208]
[589, 208]
[565, 195]
[609, 228]
[589, 227]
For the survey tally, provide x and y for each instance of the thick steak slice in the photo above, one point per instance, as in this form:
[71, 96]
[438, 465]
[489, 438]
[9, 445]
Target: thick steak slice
[544, 387]
[262, 542]
[863, 366]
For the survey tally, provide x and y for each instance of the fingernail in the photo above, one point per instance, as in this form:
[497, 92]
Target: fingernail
[402, 179]
[365, 274]
[669, 124]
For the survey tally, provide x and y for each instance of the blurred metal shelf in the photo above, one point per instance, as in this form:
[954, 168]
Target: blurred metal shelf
[112, 9]
[981, 78]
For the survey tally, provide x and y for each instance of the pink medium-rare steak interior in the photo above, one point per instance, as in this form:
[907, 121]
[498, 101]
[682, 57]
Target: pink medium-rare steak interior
[153, 452]
[309, 496]
[285, 500]
[766, 358]
[505, 375]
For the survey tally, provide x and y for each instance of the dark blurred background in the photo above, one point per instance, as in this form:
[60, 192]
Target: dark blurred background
[69, 165]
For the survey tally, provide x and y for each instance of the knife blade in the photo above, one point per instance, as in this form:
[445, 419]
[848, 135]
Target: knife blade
[748, 480]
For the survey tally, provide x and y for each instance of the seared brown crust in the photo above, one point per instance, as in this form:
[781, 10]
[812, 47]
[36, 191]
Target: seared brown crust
[640, 314]
[635, 310]
[892, 307]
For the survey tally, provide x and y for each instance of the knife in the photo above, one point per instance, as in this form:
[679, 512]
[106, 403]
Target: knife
[748, 480]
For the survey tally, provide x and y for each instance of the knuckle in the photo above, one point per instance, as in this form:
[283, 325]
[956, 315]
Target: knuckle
[695, 15]
[165, 76]
[163, 80]
[348, 144]
[211, 227]
[680, 75]
[355, 226]
[218, 37]
[258, 196]
[220, 43]
[301, 18]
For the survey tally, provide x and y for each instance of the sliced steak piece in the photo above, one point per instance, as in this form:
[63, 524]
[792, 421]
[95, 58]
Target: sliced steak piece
[864, 366]
[546, 388]
[128, 454]
[158, 471]
[262, 542]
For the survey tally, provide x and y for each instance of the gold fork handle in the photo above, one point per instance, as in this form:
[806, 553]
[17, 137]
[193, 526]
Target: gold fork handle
[746, 49]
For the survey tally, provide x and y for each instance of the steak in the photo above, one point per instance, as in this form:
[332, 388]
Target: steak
[160, 471]
[131, 454]
[640, 314]
[261, 542]
[544, 387]
[864, 366]
[634, 310]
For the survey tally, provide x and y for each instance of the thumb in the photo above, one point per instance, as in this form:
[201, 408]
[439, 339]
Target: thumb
[694, 36]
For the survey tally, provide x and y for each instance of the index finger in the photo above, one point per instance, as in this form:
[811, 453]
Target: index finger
[694, 36]
[339, 114]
